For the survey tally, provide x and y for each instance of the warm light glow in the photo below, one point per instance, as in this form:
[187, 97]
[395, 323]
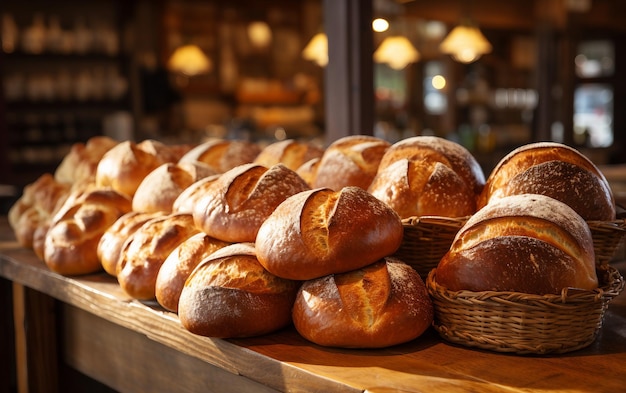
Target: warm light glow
[189, 60]
[438, 82]
[317, 50]
[465, 44]
[260, 34]
[397, 51]
[379, 25]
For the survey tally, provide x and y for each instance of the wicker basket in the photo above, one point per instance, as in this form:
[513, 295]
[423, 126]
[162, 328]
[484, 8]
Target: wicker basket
[426, 240]
[524, 323]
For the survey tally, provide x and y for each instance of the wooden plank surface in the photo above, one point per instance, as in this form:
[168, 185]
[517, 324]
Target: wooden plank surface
[284, 361]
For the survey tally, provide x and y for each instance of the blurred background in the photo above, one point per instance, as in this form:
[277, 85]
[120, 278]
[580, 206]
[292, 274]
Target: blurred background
[489, 74]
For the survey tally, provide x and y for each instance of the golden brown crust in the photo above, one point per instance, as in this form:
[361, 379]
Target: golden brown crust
[178, 266]
[320, 232]
[432, 148]
[189, 197]
[81, 162]
[423, 188]
[71, 242]
[523, 243]
[146, 249]
[229, 294]
[112, 240]
[289, 152]
[223, 155]
[237, 203]
[382, 304]
[350, 161]
[160, 188]
[555, 170]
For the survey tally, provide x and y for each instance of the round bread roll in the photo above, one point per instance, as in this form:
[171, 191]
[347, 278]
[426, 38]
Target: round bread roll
[522, 243]
[289, 152]
[380, 305]
[321, 231]
[178, 266]
[123, 167]
[39, 201]
[554, 170]
[423, 188]
[146, 249]
[236, 204]
[160, 188]
[431, 149]
[223, 154]
[81, 162]
[189, 197]
[229, 294]
[350, 161]
[112, 240]
[71, 242]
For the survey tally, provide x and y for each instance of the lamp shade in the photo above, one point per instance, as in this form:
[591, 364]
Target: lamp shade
[189, 60]
[465, 44]
[397, 51]
[317, 49]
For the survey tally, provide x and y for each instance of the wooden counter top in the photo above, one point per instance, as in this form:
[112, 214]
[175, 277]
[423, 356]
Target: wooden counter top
[284, 361]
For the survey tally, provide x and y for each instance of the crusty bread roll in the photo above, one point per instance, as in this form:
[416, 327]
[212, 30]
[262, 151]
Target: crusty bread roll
[123, 167]
[350, 161]
[146, 249]
[35, 207]
[308, 170]
[237, 203]
[71, 242]
[321, 231]
[223, 154]
[112, 240]
[383, 304]
[523, 243]
[415, 188]
[81, 162]
[160, 188]
[289, 152]
[178, 266]
[555, 170]
[432, 148]
[189, 197]
[229, 294]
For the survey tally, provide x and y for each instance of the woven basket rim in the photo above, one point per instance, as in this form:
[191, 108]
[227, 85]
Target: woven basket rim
[435, 220]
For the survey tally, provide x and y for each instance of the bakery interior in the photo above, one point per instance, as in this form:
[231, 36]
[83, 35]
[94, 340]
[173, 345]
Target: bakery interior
[550, 70]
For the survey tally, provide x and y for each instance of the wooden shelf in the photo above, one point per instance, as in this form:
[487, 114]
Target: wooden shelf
[138, 346]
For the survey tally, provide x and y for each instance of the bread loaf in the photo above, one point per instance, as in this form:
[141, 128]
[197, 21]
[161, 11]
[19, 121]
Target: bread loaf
[112, 240]
[222, 154]
[289, 152]
[235, 205]
[554, 170]
[81, 162]
[308, 170]
[125, 166]
[437, 149]
[382, 304]
[189, 197]
[350, 161]
[146, 249]
[160, 188]
[70, 246]
[321, 231]
[229, 294]
[178, 266]
[522, 243]
[423, 188]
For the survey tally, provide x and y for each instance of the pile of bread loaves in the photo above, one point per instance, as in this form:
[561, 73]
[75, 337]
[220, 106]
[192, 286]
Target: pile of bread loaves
[241, 239]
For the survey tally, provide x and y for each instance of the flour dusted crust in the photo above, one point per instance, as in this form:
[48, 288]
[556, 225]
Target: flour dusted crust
[238, 202]
[350, 161]
[229, 294]
[321, 232]
[423, 188]
[524, 243]
[555, 170]
[379, 305]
